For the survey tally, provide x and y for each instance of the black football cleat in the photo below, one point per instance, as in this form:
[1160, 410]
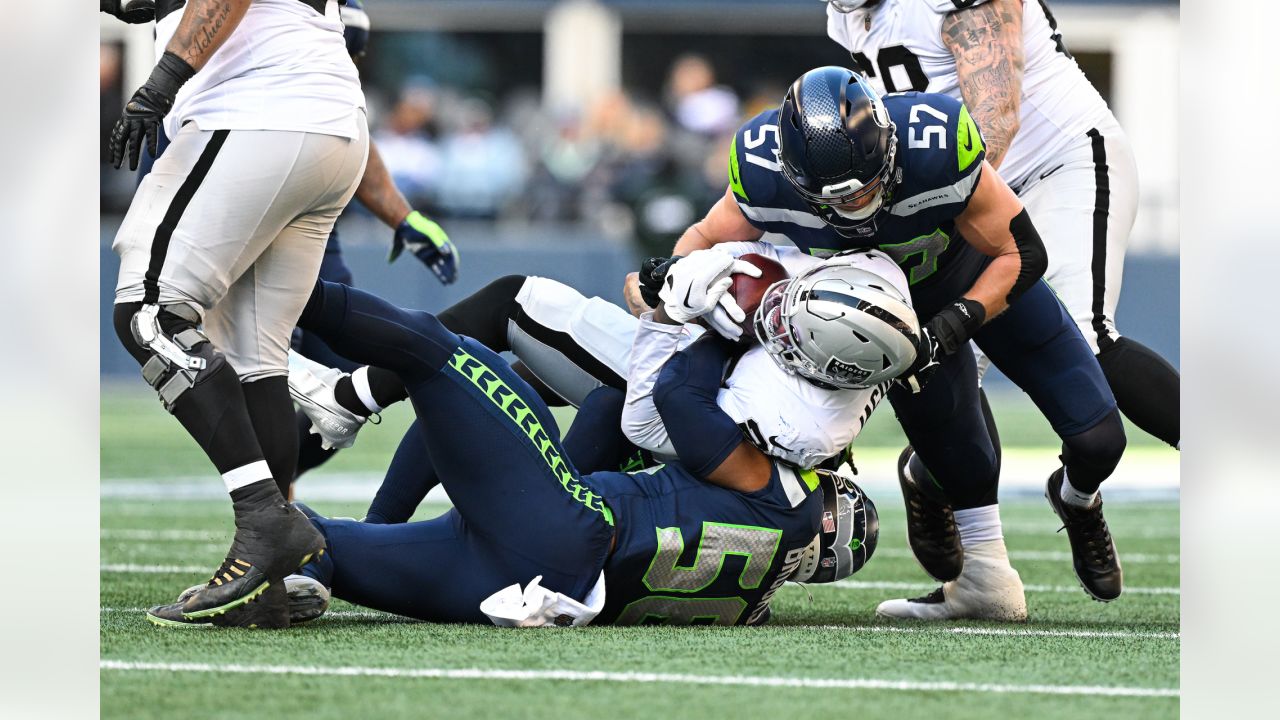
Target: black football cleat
[270, 543]
[268, 609]
[931, 527]
[1092, 551]
[308, 599]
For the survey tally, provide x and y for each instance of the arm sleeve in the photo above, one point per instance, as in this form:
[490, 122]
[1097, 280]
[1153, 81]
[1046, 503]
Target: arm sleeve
[654, 344]
[702, 434]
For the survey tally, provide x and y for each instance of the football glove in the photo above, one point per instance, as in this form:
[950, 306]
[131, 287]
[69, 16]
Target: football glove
[429, 243]
[697, 287]
[652, 272]
[140, 121]
[944, 334]
[134, 12]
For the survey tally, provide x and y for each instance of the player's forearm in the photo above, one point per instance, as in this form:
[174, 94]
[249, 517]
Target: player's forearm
[204, 26]
[378, 192]
[993, 285]
[987, 44]
[693, 239]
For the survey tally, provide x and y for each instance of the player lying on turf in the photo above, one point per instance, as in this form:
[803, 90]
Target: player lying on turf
[577, 345]
[603, 547]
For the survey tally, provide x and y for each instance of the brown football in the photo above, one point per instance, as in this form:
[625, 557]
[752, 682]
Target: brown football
[748, 291]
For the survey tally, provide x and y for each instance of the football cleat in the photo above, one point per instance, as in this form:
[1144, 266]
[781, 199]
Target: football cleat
[270, 543]
[311, 385]
[1093, 553]
[931, 526]
[308, 599]
[988, 589]
[268, 609]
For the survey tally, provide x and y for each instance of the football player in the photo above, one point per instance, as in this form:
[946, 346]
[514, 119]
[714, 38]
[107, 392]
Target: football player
[1053, 140]
[573, 346]
[532, 541]
[222, 242]
[837, 168]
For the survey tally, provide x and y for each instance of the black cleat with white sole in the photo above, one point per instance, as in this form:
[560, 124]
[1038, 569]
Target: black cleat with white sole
[1093, 553]
[306, 600]
[931, 527]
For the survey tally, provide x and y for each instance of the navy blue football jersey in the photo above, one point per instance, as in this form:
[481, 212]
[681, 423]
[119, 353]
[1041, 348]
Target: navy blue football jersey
[689, 552]
[939, 159]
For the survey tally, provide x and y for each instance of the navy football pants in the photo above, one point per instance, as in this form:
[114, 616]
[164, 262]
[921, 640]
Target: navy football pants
[520, 507]
[1036, 344]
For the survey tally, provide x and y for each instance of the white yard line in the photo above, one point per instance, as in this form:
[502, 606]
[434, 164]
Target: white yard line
[1049, 555]
[889, 585]
[634, 677]
[843, 584]
[890, 629]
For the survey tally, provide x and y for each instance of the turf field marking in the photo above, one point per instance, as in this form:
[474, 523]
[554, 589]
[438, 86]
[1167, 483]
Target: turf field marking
[843, 584]
[1050, 555]
[891, 585]
[633, 677]
[891, 629]
[998, 632]
[139, 534]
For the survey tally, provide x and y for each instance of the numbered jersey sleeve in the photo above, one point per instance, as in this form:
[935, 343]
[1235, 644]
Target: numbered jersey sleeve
[940, 153]
[763, 193]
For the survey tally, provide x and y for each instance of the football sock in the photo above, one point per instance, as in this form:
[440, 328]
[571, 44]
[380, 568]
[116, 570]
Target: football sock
[239, 478]
[271, 411]
[1146, 388]
[979, 525]
[369, 390]
[1073, 497]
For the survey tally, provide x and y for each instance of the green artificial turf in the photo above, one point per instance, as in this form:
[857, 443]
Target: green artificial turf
[155, 545]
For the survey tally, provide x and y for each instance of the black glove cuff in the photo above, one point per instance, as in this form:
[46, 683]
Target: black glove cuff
[956, 324]
[169, 75]
[652, 272]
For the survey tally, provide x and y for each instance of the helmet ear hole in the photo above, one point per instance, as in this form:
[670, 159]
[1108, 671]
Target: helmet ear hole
[860, 336]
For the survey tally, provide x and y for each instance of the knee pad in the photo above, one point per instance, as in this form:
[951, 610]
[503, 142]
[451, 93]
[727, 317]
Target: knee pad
[179, 355]
[1099, 448]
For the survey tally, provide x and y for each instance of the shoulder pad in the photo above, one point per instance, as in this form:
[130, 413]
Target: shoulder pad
[943, 7]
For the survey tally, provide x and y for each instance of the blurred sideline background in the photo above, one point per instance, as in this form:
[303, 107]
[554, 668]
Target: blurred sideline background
[570, 138]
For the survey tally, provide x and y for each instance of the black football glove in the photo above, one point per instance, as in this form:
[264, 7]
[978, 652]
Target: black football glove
[652, 272]
[134, 12]
[944, 334]
[140, 121]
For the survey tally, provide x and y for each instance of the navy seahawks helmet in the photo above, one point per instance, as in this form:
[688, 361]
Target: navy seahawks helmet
[355, 22]
[838, 147]
[849, 532]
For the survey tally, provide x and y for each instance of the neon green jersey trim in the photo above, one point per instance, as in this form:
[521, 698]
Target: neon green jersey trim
[968, 139]
[810, 479]
[524, 418]
[735, 178]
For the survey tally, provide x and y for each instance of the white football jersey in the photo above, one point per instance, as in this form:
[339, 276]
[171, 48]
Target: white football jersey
[784, 415]
[284, 67]
[898, 44]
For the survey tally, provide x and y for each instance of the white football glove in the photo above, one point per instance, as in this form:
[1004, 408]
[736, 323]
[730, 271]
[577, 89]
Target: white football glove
[698, 285]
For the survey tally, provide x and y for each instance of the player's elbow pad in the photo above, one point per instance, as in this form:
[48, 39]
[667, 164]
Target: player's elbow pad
[1035, 260]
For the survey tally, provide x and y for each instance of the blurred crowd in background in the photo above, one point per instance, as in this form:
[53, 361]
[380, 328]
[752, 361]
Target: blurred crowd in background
[634, 165]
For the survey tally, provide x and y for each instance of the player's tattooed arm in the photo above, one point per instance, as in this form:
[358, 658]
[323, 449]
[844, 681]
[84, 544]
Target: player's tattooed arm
[986, 41]
[205, 25]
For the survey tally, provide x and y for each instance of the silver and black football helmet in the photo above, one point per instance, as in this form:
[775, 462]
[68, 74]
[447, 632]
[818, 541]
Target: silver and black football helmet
[838, 148]
[847, 538]
[838, 326]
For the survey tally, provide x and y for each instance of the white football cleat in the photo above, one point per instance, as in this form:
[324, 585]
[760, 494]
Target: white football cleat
[311, 385]
[988, 589]
[308, 597]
